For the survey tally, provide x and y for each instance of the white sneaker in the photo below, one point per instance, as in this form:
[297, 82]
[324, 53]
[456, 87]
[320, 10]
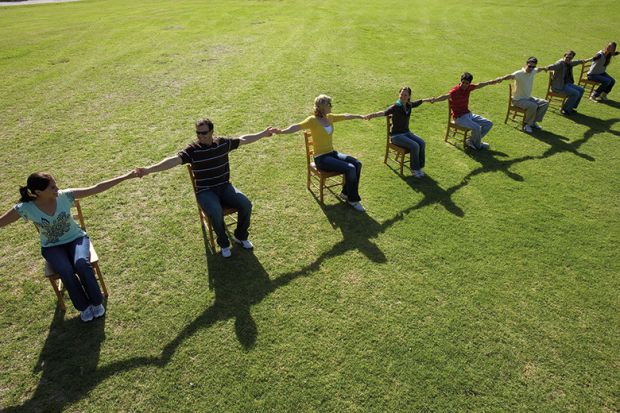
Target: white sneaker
[226, 252]
[484, 145]
[98, 310]
[87, 315]
[603, 96]
[245, 243]
[527, 129]
[358, 206]
[536, 126]
[471, 144]
[343, 197]
[594, 99]
[417, 173]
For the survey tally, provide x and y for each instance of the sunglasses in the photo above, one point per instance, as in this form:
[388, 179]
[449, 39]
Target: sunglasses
[199, 133]
[532, 66]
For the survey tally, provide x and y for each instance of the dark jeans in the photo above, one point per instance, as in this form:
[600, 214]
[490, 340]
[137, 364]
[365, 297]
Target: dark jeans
[339, 162]
[606, 83]
[227, 195]
[72, 262]
[416, 146]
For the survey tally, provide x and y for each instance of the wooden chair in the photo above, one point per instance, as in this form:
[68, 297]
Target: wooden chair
[554, 97]
[53, 276]
[584, 82]
[398, 151]
[325, 180]
[205, 221]
[513, 110]
[454, 129]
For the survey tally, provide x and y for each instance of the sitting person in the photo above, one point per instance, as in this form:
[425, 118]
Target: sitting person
[535, 108]
[208, 157]
[321, 125]
[598, 73]
[564, 82]
[459, 102]
[399, 131]
[64, 245]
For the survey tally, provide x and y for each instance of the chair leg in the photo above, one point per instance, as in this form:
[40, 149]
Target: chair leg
[387, 150]
[61, 301]
[95, 266]
[321, 187]
[308, 183]
[402, 162]
[507, 114]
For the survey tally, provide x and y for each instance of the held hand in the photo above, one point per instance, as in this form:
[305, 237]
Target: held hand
[275, 131]
[140, 172]
[366, 117]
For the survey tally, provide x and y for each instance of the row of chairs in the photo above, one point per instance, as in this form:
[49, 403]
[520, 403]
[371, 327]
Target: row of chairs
[316, 178]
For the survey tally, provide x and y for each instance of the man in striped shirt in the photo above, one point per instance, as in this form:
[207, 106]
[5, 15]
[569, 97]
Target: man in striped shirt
[459, 106]
[208, 157]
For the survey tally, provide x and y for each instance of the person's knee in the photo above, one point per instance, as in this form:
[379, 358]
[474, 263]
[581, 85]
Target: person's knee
[352, 169]
[81, 265]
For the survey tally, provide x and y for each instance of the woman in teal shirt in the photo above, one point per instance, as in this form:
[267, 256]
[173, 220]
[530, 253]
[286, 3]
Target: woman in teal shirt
[63, 243]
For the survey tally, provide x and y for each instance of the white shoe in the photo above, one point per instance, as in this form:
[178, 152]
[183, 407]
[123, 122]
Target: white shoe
[418, 173]
[527, 129]
[594, 99]
[226, 252]
[484, 145]
[98, 310]
[343, 197]
[245, 243]
[471, 144]
[87, 315]
[536, 126]
[357, 206]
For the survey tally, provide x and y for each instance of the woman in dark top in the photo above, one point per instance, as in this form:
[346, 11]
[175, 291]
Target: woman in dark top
[399, 132]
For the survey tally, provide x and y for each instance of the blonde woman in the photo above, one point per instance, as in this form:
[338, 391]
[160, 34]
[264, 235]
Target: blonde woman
[321, 125]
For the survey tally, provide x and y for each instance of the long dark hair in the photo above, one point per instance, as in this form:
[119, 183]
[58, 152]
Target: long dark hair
[608, 55]
[408, 89]
[37, 181]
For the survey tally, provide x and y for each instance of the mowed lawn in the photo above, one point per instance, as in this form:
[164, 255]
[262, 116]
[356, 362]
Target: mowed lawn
[489, 285]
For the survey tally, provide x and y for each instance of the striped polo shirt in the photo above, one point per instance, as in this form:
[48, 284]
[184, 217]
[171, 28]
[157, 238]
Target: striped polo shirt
[209, 162]
[459, 100]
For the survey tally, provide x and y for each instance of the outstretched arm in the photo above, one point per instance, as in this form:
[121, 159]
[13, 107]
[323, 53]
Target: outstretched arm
[245, 139]
[439, 98]
[9, 217]
[167, 163]
[374, 115]
[349, 116]
[488, 82]
[102, 186]
[291, 129]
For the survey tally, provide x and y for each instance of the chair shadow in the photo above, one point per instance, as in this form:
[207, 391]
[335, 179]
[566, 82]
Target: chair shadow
[68, 364]
[558, 144]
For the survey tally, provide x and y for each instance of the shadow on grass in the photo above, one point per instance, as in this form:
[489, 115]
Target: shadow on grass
[68, 364]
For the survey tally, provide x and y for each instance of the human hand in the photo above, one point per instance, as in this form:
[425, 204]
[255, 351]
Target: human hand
[275, 131]
[140, 172]
[366, 117]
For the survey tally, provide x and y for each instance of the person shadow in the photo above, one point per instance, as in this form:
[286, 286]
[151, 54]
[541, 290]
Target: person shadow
[67, 363]
[597, 125]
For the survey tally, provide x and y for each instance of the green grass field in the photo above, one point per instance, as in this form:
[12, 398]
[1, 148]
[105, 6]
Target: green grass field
[490, 285]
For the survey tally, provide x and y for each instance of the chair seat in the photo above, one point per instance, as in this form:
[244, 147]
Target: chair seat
[398, 148]
[327, 174]
[457, 126]
[49, 271]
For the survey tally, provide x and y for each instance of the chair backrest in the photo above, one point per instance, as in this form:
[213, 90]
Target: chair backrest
[585, 68]
[450, 120]
[388, 125]
[309, 147]
[191, 176]
[510, 94]
[551, 73]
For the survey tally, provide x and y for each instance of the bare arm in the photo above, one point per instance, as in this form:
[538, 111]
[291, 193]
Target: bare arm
[9, 217]
[349, 116]
[439, 98]
[291, 129]
[374, 115]
[487, 83]
[166, 164]
[245, 139]
[102, 186]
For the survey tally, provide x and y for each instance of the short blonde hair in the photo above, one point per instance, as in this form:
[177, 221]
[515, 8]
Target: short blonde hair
[319, 102]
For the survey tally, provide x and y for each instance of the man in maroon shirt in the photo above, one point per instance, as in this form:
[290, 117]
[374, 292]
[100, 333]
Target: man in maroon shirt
[459, 102]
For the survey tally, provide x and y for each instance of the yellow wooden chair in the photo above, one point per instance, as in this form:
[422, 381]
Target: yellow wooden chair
[453, 130]
[324, 179]
[554, 97]
[53, 276]
[584, 82]
[514, 111]
[398, 151]
[205, 221]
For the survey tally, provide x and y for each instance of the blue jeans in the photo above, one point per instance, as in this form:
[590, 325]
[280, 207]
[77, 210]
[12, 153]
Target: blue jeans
[479, 126]
[416, 146]
[227, 195]
[72, 263]
[339, 162]
[606, 83]
[574, 94]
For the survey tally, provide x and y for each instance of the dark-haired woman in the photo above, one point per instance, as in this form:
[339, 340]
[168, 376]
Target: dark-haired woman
[599, 74]
[399, 132]
[63, 243]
